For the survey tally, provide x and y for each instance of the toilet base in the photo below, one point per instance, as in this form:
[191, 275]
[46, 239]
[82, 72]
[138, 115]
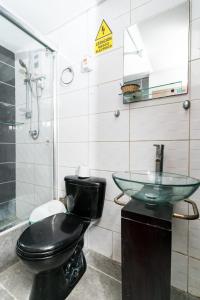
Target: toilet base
[58, 283]
[49, 285]
[75, 270]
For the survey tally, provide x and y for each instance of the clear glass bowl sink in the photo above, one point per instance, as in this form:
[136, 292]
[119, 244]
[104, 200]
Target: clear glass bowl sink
[152, 187]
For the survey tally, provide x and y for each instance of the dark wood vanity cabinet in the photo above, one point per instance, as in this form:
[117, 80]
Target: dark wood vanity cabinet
[146, 251]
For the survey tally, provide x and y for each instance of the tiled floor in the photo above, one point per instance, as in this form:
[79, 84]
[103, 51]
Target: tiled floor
[102, 281]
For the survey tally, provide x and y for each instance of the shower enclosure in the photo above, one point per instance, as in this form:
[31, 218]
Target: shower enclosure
[26, 122]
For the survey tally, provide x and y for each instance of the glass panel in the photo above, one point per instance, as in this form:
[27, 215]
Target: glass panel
[26, 124]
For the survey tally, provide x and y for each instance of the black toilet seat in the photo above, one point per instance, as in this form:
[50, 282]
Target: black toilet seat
[50, 236]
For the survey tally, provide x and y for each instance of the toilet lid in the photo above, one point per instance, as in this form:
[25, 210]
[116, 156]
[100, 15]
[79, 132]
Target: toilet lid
[50, 235]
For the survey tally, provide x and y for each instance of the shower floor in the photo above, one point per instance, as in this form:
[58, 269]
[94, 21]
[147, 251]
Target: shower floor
[102, 281]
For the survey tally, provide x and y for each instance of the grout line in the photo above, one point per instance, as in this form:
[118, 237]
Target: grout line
[195, 59]
[8, 292]
[3, 62]
[93, 114]
[123, 141]
[1, 82]
[104, 273]
[66, 22]
[195, 19]
[5, 182]
[189, 128]
[34, 184]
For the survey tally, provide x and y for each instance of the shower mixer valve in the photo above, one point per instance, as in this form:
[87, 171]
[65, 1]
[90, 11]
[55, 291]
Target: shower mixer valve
[33, 133]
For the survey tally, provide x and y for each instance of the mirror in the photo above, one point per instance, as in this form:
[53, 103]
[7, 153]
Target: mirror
[156, 52]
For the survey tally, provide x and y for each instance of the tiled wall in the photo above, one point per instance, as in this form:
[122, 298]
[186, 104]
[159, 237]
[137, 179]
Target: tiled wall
[90, 134]
[7, 136]
[34, 158]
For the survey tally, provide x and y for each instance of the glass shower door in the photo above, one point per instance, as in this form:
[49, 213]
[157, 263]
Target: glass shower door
[26, 124]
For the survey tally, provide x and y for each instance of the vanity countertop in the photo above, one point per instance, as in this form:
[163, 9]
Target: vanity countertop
[160, 215]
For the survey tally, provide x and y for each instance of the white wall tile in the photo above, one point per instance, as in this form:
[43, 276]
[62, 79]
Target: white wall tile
[23, 210]
[73, 129]
[64, 171]
[107, 67]
[137, 3]
[194, 120]
[194, 241]
[111, 189]
[101, 153]
[73, 104]
[73, 154]
[42, 195]
[24, 192]
[43, 175]
[171, 123]
[142, 156]
[195, 9]
[105, 97]
[179, 271]
[195, 74]
[22, 133]
[43, 153]
[25, 172]
[152, 8]
[72, 38]
[195, 159]
[111, 218]
[117, 246]
[106, 127]
[46, 110]
[106, 11]
[100, 240]
[25, 153]
[195, 32]
[194, 278]
[180, 230]
[196, 197]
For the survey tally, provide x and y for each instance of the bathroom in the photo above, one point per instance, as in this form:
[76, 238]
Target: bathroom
[64, 114]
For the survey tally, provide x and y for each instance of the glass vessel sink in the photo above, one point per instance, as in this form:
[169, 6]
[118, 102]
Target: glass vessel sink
[154, 188]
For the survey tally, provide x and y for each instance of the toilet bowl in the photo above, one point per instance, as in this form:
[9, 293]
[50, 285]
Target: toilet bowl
[52, 247]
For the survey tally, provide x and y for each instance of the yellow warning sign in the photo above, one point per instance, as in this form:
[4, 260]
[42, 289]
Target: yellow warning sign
[104, 39]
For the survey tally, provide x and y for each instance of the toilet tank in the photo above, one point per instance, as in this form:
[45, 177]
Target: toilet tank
[85, 196]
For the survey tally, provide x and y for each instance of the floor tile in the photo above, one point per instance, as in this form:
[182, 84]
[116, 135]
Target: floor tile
[96, 285]
[104, 264]
[4, 295]
[178, 295]
[17, 280]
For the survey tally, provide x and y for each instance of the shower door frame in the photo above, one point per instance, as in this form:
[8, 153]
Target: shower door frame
[18, 22]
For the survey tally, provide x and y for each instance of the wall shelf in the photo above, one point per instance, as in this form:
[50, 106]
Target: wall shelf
[154, 92]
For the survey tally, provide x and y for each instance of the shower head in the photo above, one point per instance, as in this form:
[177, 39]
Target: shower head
[23, 65]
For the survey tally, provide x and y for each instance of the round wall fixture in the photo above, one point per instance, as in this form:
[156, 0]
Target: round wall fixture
[67, 76]
[186, 104]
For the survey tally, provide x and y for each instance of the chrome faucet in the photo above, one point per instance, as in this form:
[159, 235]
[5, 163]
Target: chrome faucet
[159, 158]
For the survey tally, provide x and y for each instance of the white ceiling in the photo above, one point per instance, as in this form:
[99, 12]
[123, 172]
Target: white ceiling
[46, 15]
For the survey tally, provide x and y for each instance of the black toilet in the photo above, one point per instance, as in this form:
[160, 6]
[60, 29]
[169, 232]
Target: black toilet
[52, 248]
